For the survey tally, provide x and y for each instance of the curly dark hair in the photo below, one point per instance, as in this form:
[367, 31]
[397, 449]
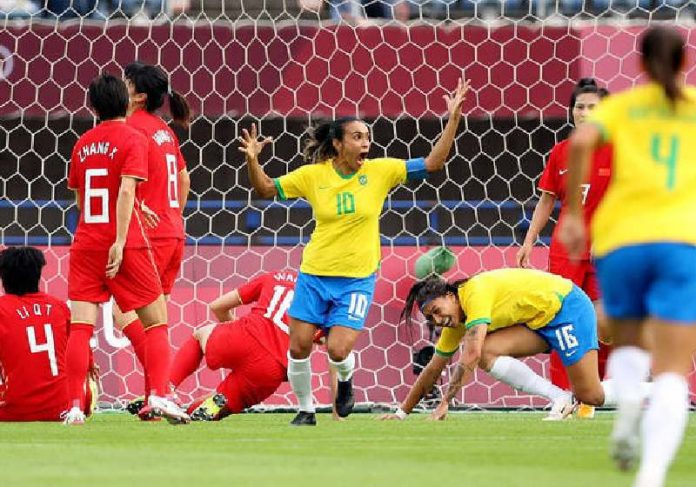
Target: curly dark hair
[20, 269]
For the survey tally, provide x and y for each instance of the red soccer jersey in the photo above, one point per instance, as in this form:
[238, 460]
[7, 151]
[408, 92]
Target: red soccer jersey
[165, 161]
[100, 158]
[272, 295]
[33, 337]
[553, 180]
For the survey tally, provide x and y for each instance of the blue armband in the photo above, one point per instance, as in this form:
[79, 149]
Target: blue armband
[415, 169]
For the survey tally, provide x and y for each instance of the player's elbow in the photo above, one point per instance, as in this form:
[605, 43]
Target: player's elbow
[265, 191]
[434, 163]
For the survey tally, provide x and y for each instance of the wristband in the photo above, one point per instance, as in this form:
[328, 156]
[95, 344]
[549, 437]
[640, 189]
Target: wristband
[401, 414]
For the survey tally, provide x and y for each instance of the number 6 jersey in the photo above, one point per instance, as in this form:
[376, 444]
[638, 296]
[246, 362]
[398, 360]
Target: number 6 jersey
[100, 158]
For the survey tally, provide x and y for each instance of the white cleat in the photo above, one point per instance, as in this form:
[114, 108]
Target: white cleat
[625, 437]
[562, 408]
[165, 408]
[74, 417]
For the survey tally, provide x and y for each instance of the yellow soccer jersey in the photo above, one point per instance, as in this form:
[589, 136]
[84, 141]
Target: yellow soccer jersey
[503, 298]
[346, 239]
[652, 194]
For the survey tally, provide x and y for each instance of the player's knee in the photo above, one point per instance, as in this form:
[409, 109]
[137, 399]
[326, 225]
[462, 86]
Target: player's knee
[592, 396]
[300, 350]
[487, 359]
[338, 352]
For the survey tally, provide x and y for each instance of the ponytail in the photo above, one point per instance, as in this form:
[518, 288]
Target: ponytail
[662, 51]
[319, 147]
[179, 109]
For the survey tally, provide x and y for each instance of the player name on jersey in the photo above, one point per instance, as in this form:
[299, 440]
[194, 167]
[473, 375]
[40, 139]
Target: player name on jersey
[38, 309]
[97, 148]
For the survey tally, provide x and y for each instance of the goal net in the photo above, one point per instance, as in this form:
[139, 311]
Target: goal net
[285, 68]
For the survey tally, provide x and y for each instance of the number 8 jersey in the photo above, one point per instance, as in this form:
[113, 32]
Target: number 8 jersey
[100, 158]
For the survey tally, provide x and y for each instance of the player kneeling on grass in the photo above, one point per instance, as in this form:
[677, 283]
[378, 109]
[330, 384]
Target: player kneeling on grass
[503, 314]
[33, 336]
[254, 346]
[110, 254]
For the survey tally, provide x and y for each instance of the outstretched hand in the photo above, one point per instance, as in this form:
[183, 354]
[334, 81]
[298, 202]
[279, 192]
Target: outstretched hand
[455, 102]
[250, 143]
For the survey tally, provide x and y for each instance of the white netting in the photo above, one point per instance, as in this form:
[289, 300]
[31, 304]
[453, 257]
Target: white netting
[269, 62]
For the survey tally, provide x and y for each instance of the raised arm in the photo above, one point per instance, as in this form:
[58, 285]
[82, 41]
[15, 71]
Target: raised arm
[541, 215]
[583, 141]
[468, 362]
[252, 147]
[438, 155]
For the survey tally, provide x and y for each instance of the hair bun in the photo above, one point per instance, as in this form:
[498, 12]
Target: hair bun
[583, 82]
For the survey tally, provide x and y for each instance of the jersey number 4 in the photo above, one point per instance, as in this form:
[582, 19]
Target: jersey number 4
[48, 347]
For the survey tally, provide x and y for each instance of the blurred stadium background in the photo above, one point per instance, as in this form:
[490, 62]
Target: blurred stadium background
[285, 65]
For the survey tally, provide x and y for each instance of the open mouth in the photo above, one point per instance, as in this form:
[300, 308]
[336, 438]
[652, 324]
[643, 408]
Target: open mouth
[361, 158]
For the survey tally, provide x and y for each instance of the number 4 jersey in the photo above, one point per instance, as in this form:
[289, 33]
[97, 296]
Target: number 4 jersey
[101, 157]
[33, 337]
[161, 190]
[271, 295]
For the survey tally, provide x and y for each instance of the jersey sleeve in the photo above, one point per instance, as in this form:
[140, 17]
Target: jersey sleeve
[607, 116]
[398, 171]
[448, 343]
[550, 180]
[251, 291]
[135, 162]
[477, 302]
[294, 184]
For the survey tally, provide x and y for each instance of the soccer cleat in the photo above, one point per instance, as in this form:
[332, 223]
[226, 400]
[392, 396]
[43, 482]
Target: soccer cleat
[304, 418]
[561, 408]
[625, 437]
[585, 411]
[74, 417]
[165, 408]
[209, 410]
[136, 405]
[345, 400]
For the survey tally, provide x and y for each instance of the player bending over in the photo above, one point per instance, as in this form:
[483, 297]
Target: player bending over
[110, 254]
[33, 336]
[531, 312]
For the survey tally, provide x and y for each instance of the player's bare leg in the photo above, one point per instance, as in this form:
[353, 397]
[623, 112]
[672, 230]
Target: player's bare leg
[300, 370]
[342, 359]
[499, 359]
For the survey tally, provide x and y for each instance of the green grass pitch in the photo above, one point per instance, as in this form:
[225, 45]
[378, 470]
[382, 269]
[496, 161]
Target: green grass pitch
[474, 449]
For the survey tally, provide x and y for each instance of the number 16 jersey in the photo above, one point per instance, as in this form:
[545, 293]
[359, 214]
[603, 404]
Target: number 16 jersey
[100, 158]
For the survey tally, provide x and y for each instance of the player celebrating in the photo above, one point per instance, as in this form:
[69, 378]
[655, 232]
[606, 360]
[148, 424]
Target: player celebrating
[585, 97]
[530, 312]
[165, 192]
[644, 237]
[110, 254]
[33, 335]
[338, 272]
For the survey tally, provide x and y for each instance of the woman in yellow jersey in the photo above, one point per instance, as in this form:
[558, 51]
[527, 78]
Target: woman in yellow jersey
[644, 237]
[502, 315]
[346, 192]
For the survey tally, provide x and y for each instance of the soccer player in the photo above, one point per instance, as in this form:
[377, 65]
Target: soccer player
[254, 346]
[338, 272]
[165, 192]
[33, 336]
[531, 312]
[644, 238]
[110, 253]
[584, 99]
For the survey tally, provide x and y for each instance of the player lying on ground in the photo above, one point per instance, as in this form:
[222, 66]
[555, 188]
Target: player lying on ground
[165, 192]
[503, 314]
[33, 336]
[110, 254]
[254, 346]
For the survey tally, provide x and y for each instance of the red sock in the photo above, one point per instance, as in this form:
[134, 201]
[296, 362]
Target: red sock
[186, 361]
[135, 333]
[157, 359]
[77, 356]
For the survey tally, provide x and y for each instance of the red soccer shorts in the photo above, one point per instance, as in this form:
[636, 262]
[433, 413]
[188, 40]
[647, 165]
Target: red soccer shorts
[582, 273]
[136, 284]
[255, 373]
[168, 253]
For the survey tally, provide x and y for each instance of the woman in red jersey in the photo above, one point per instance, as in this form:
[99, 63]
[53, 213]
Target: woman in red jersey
[552, 184]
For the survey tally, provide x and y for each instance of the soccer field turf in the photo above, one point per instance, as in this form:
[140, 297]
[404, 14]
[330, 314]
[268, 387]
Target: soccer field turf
[477, 449]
